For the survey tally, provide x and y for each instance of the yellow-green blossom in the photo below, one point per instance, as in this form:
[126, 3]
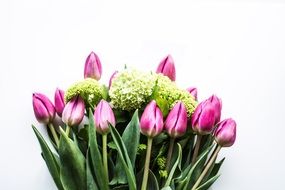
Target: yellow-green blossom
[89, 89]
[131, 89]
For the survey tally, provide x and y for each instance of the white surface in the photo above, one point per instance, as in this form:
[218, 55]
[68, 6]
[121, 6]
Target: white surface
[233, 49]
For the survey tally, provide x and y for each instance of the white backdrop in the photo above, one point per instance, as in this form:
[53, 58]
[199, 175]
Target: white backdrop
[233, 49]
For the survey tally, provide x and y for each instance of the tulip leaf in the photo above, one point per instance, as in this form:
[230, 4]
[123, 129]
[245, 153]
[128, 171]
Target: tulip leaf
[124, 157]
[50, 159]
[96, 157]
[185, 183]
[91, 185]
[208, 183]
[214, 169]
[151, 182]
[72, 171]
[130, 137]
[166, 188]
[174, 166]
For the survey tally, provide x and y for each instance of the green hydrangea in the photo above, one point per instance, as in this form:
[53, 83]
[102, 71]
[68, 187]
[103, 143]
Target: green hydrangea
[89, 89]
[131, 89]
[168, 91]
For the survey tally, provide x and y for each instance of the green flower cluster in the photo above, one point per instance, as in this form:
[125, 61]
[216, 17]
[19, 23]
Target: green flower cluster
[131, 89]
[167, 91]
[89, 89]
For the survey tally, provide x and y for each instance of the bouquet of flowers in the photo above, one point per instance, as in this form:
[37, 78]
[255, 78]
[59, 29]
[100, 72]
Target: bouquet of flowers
[139, 132]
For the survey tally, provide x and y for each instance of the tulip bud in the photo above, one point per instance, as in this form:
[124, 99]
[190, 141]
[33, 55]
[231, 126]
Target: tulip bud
[111, 78]
[93, 67]
[217, 104]
[193, 92]
[59, 101]
[225, 133]
[103, 116]
[73, 111]
[151, 122]
[43, 108]
[176, 121]
[167, 68]
[203, 118]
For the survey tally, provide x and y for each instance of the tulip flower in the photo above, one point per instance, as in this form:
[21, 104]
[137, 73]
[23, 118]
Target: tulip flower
[217, 104]
[45, 112]
[203, 119]
[176, 121]
[175, 125]
[203, 122]
[193, 92]
[103, 116]
[167, 68]
[111, 78]
[43, 108]
[93, 67]
[73, 111]
[225, 133]
[59, 101]
[151, 122]
[225, 136]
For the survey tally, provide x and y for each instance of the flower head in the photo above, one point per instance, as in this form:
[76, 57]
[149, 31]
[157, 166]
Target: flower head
[73, 112]
[43, 108]
[167, 67]
[59, 101]
[89, 89]
[103, 116]
[93, 67]
[225, 133]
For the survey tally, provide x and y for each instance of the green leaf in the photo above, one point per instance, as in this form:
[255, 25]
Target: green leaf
[96, 157]
[72, 171]
[166, 188]
[124, 157]
[186, 182]
[208, 183]
[152, 183]
[50, 159]
[174, 166]
[130, 137]
[105, 92]
[216, 168]
[91, 185]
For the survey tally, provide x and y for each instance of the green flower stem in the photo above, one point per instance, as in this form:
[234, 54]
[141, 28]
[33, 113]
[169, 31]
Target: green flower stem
[54, 134]
[67, 130]
[105, 158]
[209, 164]
[196, 150]
[146, 165]
[169, 154]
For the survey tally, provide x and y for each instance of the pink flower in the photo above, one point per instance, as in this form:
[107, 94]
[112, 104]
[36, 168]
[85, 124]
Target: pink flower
[167, 68]
[225, 133]
[203, 118]
[103, 116]
[176, 121]
[43, 108]
[59, 101]
[73, 111]
[93, 67]
[217, 104]
[151, 122]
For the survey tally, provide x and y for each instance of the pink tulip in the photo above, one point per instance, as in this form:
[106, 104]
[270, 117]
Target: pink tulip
[167, 68]
[217, 104]
[93, 67]
[203, 118]
[225, 133]
[103, 116]
[151, 122]
[59, 101]
[111, 78]
[73, 111]
[193, 92]
[176, 121]
[43, 108]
